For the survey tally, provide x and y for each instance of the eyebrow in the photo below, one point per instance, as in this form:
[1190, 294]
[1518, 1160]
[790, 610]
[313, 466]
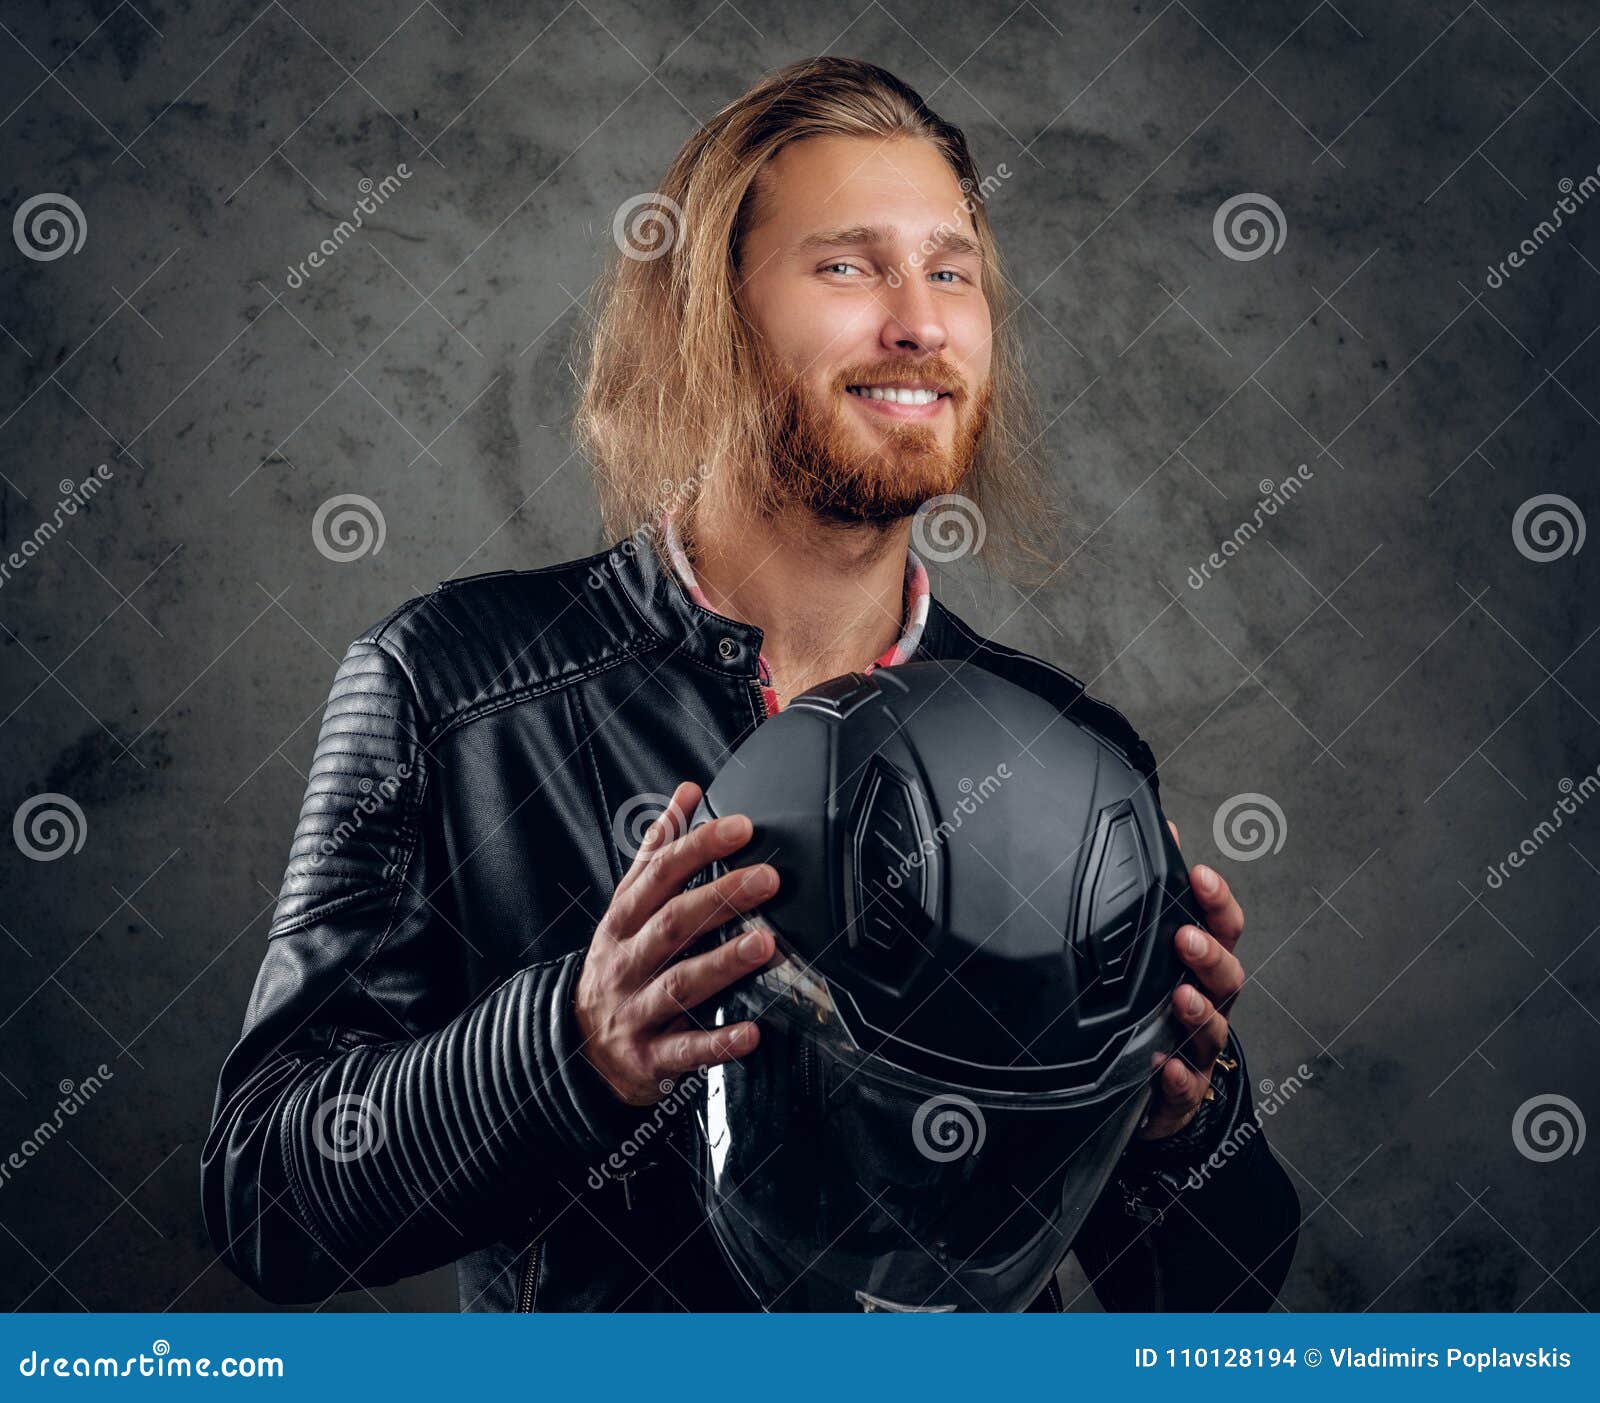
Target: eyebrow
[945, 240]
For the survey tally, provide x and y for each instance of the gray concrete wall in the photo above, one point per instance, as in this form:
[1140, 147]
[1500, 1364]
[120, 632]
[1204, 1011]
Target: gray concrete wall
[1406, 683]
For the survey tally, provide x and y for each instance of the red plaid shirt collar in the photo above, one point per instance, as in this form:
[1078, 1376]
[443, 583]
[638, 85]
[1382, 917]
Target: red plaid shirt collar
[915, 616]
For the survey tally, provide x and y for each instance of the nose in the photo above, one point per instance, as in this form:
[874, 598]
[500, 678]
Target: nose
[912, 317]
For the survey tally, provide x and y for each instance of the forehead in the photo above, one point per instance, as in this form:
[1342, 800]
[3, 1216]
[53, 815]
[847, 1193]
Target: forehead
[827, 182]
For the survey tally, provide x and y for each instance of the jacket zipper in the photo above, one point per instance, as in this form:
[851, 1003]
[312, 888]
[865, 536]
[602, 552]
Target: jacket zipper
[530, 1275]
[1148, 1214]
[530, 1278]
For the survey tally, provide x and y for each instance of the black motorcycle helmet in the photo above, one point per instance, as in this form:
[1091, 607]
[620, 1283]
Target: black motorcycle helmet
[974, 933]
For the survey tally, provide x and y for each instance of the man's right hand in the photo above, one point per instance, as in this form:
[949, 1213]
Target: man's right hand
[634, 994]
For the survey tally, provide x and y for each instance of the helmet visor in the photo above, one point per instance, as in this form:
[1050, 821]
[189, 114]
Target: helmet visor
[835, 1180]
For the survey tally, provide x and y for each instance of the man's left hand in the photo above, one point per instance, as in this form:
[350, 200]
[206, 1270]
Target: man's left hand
[1183, 1079]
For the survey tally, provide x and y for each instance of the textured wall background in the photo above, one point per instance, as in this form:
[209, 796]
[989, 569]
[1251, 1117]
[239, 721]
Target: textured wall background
[1401, 660]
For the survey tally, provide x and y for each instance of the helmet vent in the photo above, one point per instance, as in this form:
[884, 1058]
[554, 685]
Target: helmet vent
[1111, 904]
[887, 866]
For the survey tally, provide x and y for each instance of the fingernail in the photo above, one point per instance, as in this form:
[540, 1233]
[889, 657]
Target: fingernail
[751, 947]
[740, 1038]
[1193, 941]
[1191, 1000]
[762, 880]
[733, 826]
[1205, 878]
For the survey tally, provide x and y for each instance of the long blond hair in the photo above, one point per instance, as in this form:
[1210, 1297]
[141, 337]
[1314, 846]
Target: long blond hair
[669, 379]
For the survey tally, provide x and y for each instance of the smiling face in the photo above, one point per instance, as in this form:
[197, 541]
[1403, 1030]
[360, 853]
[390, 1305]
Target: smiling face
[874, 351]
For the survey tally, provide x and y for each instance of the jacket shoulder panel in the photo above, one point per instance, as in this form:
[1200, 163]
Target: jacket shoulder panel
[487, 639]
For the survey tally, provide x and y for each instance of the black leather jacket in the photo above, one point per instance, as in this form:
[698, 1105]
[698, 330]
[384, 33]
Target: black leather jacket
[407, 1089]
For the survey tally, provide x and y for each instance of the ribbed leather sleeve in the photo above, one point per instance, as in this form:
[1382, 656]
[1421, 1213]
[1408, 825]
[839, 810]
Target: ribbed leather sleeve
[377, 1118]
[358, 815]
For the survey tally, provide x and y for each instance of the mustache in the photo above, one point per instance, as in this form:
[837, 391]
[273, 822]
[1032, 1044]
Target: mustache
[932, 374]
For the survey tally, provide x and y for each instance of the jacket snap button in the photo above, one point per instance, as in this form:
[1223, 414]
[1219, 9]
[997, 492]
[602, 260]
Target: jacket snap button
[727, 647]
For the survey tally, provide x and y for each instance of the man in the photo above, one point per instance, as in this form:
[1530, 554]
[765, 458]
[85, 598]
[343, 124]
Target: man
[475, 987]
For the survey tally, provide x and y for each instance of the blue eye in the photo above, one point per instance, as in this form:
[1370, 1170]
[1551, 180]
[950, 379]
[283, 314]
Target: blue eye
[829, 267]
[952, 272]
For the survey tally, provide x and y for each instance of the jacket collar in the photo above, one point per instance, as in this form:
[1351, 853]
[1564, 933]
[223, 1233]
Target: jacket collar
[732, 647]
[712, 639]
[914, 598]
[641, 566]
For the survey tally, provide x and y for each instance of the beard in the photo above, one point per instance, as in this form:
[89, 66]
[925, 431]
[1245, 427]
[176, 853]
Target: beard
[822, 463]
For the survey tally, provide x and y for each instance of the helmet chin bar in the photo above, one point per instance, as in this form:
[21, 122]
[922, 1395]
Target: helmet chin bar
[870, 1302]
